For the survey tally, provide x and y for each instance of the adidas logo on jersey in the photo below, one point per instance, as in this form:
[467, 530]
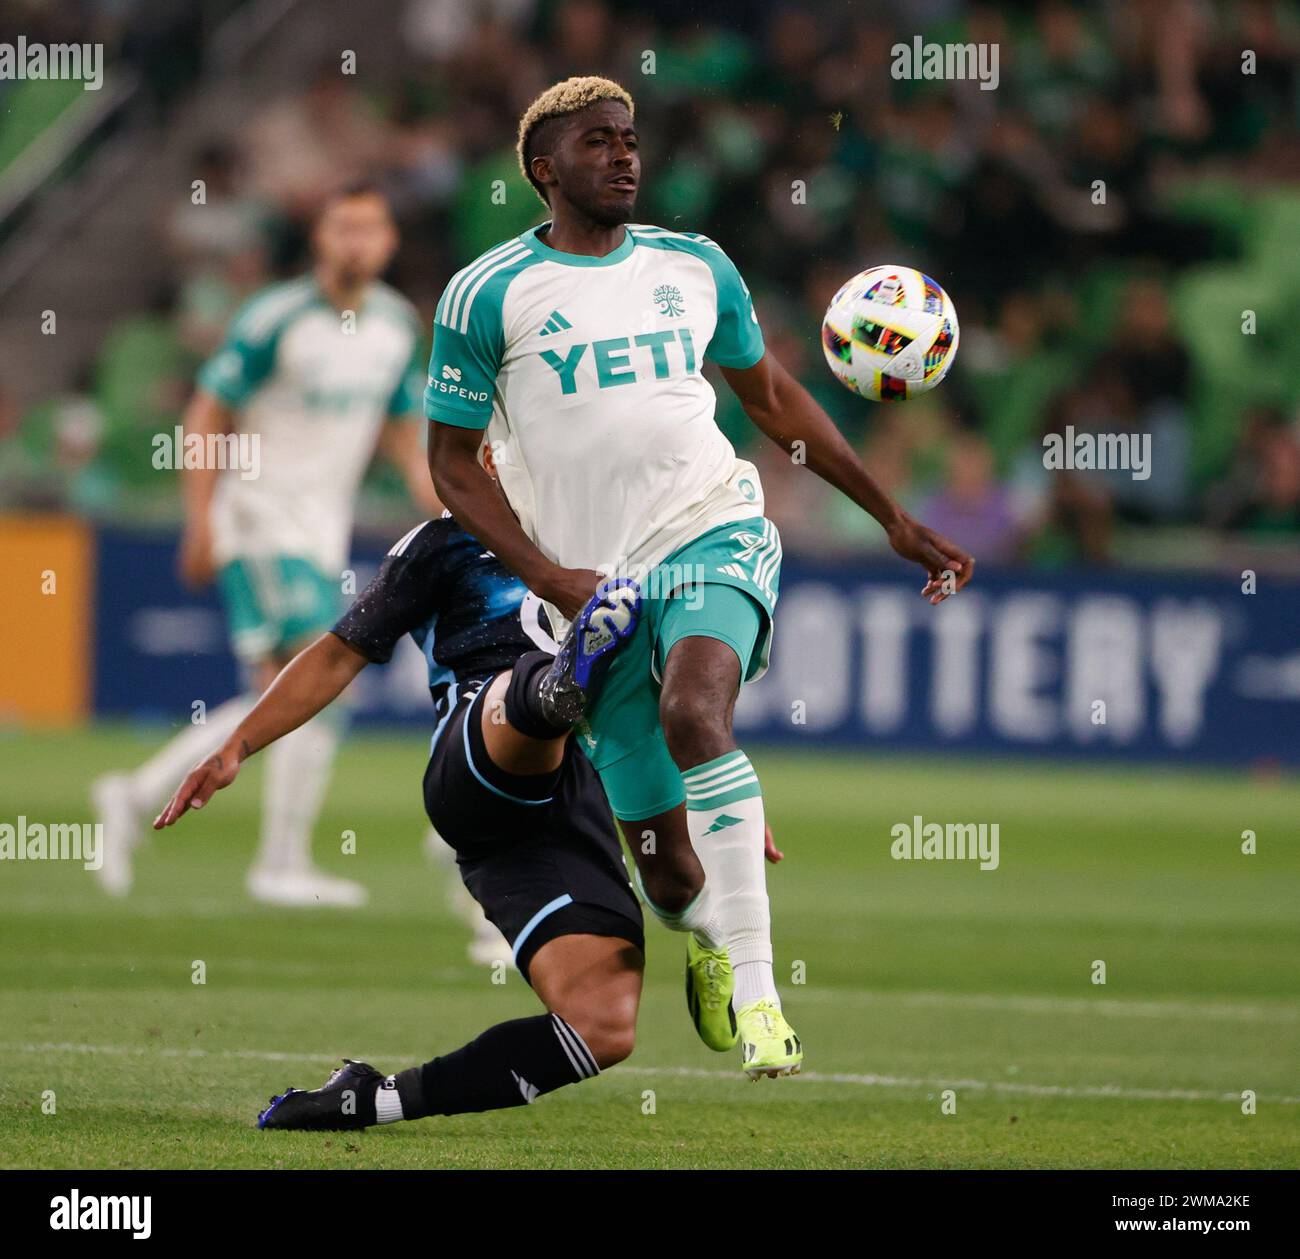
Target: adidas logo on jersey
[555, 322]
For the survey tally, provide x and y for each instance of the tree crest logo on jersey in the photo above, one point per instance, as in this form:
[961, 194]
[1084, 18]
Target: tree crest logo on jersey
[669, 299]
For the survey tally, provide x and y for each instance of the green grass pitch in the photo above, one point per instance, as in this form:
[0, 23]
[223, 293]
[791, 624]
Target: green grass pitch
[918, 978]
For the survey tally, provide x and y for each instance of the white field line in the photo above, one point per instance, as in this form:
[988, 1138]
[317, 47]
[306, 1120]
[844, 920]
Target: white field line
[237, 965]
[140, 907]
[989, 1086]
[1105, 1007]
[1010, 1088]
[1100, 1007]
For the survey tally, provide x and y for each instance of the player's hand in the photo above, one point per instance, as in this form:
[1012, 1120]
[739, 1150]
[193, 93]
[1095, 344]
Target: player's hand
[770, 850]
[200, 785]
[571, 588]
[197, 566]
[948, 567]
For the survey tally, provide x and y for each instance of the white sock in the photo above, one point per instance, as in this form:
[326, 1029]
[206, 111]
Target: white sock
[154, 781]
[388, 1102]
[700, 917]
[297, 773]
[724, 811]
[754, 982]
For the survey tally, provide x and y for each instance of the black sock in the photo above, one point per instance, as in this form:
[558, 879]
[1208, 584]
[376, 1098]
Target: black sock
[524, 710]
[508, 1065]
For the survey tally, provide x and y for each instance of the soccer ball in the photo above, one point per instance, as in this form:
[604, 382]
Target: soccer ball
[890, 333]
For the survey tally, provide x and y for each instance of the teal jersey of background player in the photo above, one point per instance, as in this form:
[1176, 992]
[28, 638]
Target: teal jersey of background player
[588, 375]
[316, 387]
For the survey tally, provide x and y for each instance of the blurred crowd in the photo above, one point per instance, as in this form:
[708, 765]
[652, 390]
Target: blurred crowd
[1076, 313]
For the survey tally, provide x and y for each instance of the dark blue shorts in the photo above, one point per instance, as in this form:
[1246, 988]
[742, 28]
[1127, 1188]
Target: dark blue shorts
[541, 853]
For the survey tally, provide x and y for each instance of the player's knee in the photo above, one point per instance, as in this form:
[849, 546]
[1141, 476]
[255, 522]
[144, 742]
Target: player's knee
[693, 725]
[670, 887]
[611, 1040]
[614, 1043]
[607, 1023]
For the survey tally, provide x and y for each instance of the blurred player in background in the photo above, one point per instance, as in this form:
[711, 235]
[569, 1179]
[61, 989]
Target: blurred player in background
[321, 371]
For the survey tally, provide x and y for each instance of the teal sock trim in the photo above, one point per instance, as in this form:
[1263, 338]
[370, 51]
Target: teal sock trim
[723, 780]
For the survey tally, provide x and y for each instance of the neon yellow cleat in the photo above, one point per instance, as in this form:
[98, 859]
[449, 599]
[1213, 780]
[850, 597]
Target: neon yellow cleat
[709, 984]
[768, 1044]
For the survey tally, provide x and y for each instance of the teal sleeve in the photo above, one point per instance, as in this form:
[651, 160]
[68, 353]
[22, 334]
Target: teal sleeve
[406, 397]
[464, 364]
[737, 340]
[238, 369]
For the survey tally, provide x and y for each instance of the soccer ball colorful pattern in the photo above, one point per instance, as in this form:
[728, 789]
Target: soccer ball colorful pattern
[890, 333]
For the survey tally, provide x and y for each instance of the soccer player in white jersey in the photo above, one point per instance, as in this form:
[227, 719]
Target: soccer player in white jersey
[321, 370]
[579, 347]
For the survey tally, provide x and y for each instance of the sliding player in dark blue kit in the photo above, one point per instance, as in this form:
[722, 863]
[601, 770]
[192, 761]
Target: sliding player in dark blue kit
[508, 790]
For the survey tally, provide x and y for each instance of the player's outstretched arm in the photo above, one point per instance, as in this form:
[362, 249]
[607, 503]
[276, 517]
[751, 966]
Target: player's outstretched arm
[481, 509]
[311, 681]
[205, 416]
[784, 410]
[400, 442]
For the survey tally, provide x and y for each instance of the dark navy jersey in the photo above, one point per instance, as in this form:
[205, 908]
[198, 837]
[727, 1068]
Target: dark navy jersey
[469, 617]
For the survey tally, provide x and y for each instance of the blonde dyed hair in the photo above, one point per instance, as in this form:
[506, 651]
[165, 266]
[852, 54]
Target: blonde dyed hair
[566, 97]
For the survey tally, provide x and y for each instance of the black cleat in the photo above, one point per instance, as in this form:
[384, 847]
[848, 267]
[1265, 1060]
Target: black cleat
[606, 622]
[345, 1101]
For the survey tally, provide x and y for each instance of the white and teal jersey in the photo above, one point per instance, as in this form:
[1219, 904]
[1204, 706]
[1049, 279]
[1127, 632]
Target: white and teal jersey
[316, 388]
[586, 372]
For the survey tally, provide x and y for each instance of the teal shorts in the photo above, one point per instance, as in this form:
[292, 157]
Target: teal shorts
[722, 585]
[273, 604]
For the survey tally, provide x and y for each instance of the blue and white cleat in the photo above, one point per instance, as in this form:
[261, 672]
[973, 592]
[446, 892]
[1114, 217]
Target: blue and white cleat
[605, 623]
